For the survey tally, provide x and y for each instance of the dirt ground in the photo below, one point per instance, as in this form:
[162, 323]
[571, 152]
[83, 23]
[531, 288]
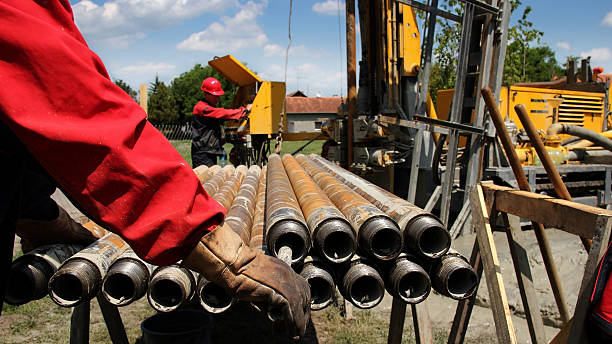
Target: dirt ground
[43, 322]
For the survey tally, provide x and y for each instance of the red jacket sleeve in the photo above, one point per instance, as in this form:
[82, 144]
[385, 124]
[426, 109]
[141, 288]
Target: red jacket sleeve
[93, 139]
[203, 109]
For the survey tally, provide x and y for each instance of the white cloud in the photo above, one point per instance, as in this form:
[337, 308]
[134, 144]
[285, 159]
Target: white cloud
[231, 34]
[110, 21]
[329, 7]
[607, 21]
[274, 50]
[148, 68]
[312, 78]
[564, 45]
[598, 54]
[300, 51]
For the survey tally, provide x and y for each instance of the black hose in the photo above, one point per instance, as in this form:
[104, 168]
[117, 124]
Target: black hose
[583, 133]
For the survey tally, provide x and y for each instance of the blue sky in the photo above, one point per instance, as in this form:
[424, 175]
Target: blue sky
[139, 39]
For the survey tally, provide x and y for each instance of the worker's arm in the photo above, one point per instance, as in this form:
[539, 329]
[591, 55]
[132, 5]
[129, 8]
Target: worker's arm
[203, 109]
[92, 138]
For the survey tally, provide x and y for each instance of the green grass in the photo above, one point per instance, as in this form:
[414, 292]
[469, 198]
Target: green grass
[184, 148]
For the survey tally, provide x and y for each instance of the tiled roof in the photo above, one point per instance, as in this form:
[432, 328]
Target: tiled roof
[312, 105]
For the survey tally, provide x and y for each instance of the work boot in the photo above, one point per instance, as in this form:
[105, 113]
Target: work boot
[250, 275]
[62, 230]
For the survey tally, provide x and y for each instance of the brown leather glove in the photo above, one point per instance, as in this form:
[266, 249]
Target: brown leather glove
[250, 275]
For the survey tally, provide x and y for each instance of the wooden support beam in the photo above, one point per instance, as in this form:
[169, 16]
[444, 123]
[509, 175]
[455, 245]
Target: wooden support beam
[79, 324]
[574, 218]
[495, 284]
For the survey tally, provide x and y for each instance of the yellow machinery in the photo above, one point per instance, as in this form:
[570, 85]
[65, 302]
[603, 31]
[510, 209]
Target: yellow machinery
[251, 137]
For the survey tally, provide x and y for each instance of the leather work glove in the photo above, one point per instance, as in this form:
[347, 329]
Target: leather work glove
[250, 275]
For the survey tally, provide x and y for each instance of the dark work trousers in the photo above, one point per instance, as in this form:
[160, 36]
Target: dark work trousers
[25, 190]
[203, 158]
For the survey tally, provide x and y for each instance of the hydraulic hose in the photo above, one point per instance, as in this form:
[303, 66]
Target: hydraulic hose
[586, 134]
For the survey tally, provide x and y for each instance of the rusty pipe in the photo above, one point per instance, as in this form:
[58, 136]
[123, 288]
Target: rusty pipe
[377, 234]
[226, 192]
[30, 273]
[407, 280]
[453, 276]
[256, 239]
[213, 298]
[321, 281]
[213, 184]
[333, 237]
[523, 184]
[285, 223]
[549, 166]
[80, 277]
[204, 177]
[361, 283]
[240, 215]
[170, 287]
[422, 232]
[127, 279]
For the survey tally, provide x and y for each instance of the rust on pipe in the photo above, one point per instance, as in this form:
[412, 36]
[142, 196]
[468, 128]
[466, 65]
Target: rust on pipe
[285, 223]
[240, 215]
[331, 233]
[407, 280]
[423, 233]
[80, 277]
[549, 166]
[377, 234]
[361, 283]
[321, 281]
[523, 184]
[213, 184]
[170, 288]
[209, 173]
[226, 193]
[256, 238]
[351, 73]
[454, 277]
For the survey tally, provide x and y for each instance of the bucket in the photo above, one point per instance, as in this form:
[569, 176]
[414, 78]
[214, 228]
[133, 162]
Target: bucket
[186, 326]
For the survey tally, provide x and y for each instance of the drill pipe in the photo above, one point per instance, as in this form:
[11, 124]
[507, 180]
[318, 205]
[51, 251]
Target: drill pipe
[378, 235]
[423, 232]
[332, 235]
[127, 279]
[80, 277]
[170, 287]
[200, 171]
[240, 216]
[204, 177]
[361, 283]
[285, 224]
[30, 273]
[321, 282]
[256, 240]
[407, 280]
[453, 276]
[213, 184]
[226, 193]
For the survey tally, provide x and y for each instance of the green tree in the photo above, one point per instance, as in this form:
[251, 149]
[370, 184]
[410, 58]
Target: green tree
[129, 90]
[162, 105]
[187, 92]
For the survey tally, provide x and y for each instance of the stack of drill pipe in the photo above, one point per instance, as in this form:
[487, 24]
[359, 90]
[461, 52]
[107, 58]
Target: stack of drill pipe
[285, 223]
[200, 171]
[213, 184]
[170, 288]
[239, 218]
[79, 278]
[204, 177]
[227, 191]
[256, 236]
[127, 279]
[453, 276]
[407, 280]
[360, 282]
[30, 273]
[333, 237]
[378, 234]
[423, 233]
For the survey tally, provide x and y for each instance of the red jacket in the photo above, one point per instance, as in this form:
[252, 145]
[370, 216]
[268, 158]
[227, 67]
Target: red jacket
[92, 138]
[206, 110]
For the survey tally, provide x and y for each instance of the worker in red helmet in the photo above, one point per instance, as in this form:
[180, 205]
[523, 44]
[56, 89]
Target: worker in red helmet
[64, 123]
[206, 131]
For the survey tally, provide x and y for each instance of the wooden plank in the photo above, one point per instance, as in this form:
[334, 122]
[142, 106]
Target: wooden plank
[79, 324]
[113, 321]
[520, 260]
[598, 250]
[422, 323]
[575, 218]
[396, 324]
[561, 336]
[495, 284]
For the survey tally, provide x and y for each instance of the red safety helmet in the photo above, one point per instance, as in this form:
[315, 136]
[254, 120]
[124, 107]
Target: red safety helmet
[212, 86]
